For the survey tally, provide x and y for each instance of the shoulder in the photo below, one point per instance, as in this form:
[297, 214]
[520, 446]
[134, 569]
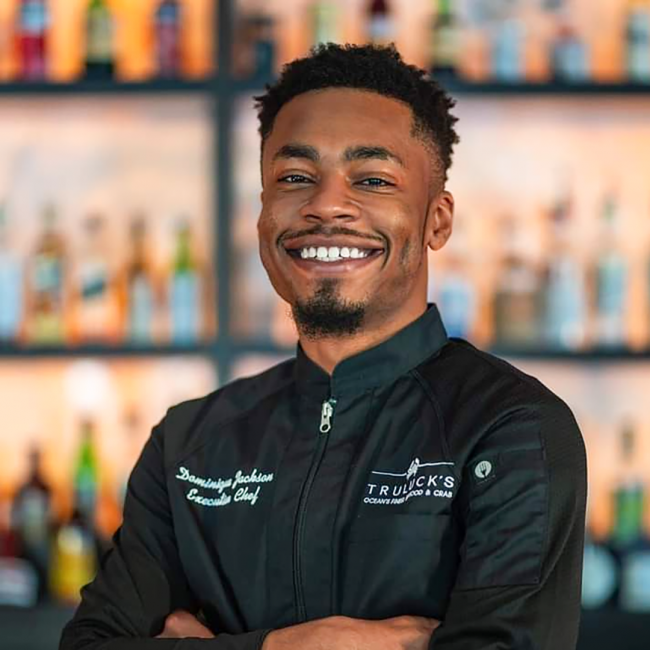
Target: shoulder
[186, 424]
[487, 401]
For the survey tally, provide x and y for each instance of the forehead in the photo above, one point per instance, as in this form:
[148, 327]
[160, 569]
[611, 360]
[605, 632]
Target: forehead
[337, 118]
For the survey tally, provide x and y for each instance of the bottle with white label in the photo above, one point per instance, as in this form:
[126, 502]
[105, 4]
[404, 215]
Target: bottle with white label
[139, 287]
[611, 280]
[94, 285]
[47, 277]
[185, 290]
[32, 521]
[11, 285]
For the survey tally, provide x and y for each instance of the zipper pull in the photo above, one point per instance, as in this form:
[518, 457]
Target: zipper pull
[326, 415]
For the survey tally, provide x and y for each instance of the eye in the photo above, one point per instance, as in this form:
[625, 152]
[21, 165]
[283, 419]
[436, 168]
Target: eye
[375, 182]
[293, 179]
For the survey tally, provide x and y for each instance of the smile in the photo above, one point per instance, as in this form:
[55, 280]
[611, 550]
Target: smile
[333, 258]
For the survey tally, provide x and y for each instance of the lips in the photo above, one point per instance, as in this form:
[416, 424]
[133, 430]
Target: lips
[328, 242]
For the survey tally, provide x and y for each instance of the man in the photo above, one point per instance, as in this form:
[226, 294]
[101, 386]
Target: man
[389, 488]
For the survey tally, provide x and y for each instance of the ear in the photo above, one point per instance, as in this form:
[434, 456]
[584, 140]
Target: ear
[440, 219]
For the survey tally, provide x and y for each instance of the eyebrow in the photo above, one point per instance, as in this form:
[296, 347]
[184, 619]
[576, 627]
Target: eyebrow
[351, 154]
[371, 152]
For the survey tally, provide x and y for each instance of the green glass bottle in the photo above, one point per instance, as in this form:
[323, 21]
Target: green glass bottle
[86, 473]
[100, 42]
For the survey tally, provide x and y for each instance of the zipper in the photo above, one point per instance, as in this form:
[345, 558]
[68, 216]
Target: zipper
[327, 413]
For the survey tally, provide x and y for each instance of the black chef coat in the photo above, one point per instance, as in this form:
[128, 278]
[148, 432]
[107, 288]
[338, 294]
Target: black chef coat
[424, 477]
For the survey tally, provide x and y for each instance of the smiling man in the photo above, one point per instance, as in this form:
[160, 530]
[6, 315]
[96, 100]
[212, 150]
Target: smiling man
[390, 488]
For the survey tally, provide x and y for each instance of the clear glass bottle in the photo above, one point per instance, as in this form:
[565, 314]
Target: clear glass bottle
[46, 319]
[565, 293]
[185, 291]
[140, 293]
[96, 300]
[611, 280]
[11, 285]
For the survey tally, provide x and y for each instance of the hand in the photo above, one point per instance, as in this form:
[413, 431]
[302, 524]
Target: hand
[343, 633]
[182, 625]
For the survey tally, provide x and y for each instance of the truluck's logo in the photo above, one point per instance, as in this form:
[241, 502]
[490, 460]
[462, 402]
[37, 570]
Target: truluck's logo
[417, 481]
[239, 488]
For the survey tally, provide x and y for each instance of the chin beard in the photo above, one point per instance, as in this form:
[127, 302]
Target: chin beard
[325, 315]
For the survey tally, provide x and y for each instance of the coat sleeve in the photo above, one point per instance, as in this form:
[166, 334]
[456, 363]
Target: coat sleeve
[141, 580]
[522, 507]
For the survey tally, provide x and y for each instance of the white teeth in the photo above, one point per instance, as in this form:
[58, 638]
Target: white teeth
[332, 254]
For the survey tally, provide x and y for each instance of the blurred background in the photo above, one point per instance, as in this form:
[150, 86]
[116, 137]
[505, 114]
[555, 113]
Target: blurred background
[129, 270]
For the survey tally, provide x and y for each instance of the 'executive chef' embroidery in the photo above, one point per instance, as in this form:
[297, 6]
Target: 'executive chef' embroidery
[420, 480]
[238, 489]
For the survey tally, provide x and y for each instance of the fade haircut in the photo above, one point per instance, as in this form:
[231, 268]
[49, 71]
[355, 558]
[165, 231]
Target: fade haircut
[373, 68]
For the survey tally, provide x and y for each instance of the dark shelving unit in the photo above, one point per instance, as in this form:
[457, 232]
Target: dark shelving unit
[12, 352]
[107, 87]
[458, 86]
[600, 630]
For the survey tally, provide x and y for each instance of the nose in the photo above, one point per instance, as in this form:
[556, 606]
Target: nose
[330, 201]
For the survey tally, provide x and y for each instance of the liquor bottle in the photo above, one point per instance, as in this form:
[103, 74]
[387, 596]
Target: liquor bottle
[32, 33]
[11, 285]
[185, 290]
[18, 578]
[86, 473]
[508, 43]
[600, 574]
[637, 41]
[611, 280]
[324, 21]
[569, 52]
[254, 44]
[444, 50]
[168, 23]
[518, 295]
[96, 308]
[32, 520]
[139, 287]
[380, 22]
[565, 299]
[76, 545]
[47, 285]
[452, 288]
[100, 46]
[628, 537]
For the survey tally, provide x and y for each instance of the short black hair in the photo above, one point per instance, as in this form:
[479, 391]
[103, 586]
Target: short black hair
[375, 68]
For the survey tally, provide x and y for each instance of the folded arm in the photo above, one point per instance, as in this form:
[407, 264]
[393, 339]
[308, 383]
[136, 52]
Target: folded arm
[519, 581]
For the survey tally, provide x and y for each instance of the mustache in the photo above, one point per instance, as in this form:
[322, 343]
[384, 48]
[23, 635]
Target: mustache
[328, 232]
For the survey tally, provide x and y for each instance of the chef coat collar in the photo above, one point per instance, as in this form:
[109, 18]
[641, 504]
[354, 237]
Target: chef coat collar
[381, 364]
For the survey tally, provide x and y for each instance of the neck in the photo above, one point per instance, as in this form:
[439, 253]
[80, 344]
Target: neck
[329, 352]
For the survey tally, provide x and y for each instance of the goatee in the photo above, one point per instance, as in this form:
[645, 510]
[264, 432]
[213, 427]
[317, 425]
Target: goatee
[325, 315]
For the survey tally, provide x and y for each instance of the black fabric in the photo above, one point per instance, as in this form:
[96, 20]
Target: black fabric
[450, 485]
